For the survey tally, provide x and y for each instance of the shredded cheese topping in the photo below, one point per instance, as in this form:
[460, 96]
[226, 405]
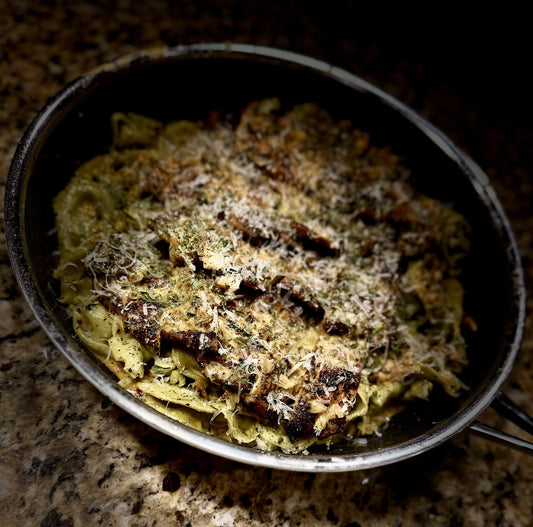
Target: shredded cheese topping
[278, 283]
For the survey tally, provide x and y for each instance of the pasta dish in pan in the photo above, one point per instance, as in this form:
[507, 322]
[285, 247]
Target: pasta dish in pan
[275, 281]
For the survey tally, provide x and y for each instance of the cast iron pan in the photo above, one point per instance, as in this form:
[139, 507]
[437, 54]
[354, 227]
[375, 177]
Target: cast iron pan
[187, 82]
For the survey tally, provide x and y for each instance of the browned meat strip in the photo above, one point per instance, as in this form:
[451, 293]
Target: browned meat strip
[302, 295]
[301, 424]
[141, 319]
[331, 386]
[312, 240]
[256, 233]
[335, 327]
[202, 344]
[290, 232]
[338, 386]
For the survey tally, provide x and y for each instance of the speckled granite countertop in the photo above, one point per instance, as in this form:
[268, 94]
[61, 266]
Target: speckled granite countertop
[68, 458]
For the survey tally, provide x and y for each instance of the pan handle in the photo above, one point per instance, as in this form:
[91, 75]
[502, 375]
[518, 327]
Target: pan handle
[504, 406]
[508, 409]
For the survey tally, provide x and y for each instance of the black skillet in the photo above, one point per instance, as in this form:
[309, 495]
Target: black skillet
[187, 82]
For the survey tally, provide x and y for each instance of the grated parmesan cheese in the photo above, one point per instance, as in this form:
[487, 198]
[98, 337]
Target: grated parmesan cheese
[263, 273]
